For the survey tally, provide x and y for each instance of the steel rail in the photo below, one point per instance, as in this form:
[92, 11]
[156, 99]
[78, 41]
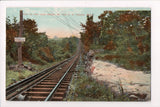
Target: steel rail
[32, 85]
[59, 82]
[20, 84]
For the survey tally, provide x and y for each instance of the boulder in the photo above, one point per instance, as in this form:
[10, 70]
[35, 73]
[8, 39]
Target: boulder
[90, 53]
[21, 97]
[133, 97]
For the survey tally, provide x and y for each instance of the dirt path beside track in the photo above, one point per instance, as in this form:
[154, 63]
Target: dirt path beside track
[136, 83]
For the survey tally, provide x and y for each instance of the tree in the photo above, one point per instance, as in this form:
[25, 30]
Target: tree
[90, 33]
[30, 26]
[122, 33]
[11, 33]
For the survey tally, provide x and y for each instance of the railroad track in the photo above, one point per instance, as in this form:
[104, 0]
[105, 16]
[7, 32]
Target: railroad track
[48, 85]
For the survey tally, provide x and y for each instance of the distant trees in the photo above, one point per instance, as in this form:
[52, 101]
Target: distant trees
[63, 48]
[123, 33]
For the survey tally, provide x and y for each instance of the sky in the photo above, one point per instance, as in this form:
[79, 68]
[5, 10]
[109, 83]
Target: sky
[60, 22]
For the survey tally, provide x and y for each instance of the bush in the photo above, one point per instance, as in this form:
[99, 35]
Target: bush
[9, 60]
[67, 55]
[87, 87]
[84, 88]
[37, 59]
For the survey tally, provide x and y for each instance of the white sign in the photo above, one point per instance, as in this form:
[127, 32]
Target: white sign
[19, 39]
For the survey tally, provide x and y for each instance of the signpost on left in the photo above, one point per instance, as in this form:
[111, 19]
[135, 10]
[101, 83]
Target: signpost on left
[20, 39]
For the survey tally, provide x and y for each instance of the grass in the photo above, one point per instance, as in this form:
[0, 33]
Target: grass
[84, 88]
[13, 76]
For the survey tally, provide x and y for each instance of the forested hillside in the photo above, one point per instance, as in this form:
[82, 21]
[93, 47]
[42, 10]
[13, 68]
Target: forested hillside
[37, 48]
[121, 37]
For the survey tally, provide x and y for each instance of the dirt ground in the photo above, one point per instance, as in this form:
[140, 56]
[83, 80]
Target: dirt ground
[136, 83]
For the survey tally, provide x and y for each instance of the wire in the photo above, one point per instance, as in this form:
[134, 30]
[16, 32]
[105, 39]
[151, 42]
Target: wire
[73, 21]
[64, 23]
[68, 24]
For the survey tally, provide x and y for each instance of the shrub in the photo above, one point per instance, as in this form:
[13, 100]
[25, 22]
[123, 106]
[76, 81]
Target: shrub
[9, 60]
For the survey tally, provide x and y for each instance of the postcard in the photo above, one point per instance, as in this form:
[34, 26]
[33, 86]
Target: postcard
[83, 53]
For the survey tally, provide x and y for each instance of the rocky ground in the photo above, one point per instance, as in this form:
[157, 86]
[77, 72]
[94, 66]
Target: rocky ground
[135, 83]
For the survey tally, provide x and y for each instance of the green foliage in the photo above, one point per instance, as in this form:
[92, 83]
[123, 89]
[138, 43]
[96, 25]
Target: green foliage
[85, 88]
[67, 55]
[63, 48]
[125, 34]
[36, 58]
[30, 26]
[14, 76]
[37, 48]
[34, 41]
[11, 32]
[9, 60]
[96, 46]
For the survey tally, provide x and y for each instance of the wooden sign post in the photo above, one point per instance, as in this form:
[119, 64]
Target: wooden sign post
[20, 39]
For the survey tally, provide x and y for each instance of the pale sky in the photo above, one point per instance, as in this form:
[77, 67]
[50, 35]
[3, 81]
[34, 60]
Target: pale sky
[60, 22]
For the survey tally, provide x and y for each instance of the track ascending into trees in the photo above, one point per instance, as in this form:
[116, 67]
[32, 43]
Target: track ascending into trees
[48, 85]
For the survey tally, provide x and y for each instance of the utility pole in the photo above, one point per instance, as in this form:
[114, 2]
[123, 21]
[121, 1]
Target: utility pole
[20, 43]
